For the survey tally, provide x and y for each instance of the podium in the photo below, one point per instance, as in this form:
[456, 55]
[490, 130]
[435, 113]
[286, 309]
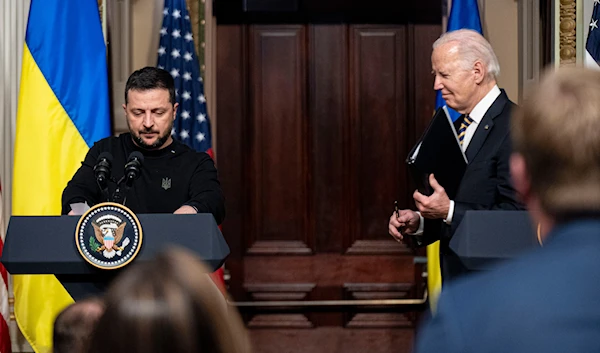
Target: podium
[46, 245]
[485, 237]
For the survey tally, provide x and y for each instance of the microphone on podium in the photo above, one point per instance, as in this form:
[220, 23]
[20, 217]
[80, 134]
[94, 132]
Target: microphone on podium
[133, 167]
[102, 171]
[132, 172]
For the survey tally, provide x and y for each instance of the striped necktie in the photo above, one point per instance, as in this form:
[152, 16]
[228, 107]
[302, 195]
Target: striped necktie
[463, 128]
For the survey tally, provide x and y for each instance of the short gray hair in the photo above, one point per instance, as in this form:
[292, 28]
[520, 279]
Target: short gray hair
[472, 46]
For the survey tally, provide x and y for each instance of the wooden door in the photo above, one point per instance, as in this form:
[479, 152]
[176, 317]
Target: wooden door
[315, 122]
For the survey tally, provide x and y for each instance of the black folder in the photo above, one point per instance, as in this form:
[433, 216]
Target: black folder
[438, 152]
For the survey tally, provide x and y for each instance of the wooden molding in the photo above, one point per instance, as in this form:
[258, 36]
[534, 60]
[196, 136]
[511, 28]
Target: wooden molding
[568, 33]
[273, 247]
[378, 247]
[280, 292]
[378, 291]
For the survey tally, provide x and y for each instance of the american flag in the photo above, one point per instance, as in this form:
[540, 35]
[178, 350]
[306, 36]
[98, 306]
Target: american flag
[5, 346]
[592, 46]
[177, 54]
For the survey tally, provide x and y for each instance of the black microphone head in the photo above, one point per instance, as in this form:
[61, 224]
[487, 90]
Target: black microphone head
[133, 166]
[136, 155]
[102, 169]
[106, 156]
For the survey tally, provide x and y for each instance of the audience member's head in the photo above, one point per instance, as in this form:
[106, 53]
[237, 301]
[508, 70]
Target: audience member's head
[168, 305]
[74, 325]
[556, 132]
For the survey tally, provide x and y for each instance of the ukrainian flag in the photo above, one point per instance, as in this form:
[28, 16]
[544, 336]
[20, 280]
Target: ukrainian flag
[63, 109]
[464, 14]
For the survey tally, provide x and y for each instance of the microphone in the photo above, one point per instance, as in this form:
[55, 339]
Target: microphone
[133, 167]
[102, 169]
[132, 171]
[102, 172]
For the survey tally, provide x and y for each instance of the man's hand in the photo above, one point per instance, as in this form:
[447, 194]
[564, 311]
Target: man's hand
[407, 222]
[435, 206]
[185, 209]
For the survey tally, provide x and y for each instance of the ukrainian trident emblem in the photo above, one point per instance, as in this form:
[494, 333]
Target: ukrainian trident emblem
[166, 183]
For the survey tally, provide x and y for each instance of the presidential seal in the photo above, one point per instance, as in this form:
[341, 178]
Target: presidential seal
[108, 236]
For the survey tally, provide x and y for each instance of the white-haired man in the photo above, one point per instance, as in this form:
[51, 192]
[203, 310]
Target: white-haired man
[465, 69]
[547, 300]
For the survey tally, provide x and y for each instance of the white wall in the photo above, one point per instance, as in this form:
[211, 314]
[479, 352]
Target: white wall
[146, 22]
[499, 19]
[501, 28]
[588, 8]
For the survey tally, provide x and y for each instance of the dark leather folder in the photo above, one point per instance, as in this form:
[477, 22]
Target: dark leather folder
[438, 152]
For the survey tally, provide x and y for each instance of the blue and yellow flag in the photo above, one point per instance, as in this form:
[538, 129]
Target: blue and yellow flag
[464, 14]
[63, 109]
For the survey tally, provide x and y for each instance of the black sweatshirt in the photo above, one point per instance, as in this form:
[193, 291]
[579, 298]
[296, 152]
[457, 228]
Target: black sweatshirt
[170, 177]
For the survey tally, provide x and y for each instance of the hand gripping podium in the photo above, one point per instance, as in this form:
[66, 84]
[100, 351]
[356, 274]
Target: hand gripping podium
[486, 237]
[46, 245]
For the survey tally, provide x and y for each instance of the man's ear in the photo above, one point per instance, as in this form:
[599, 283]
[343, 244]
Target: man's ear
[125, 108]
[479, 71]
[175, 106]
[520, 176]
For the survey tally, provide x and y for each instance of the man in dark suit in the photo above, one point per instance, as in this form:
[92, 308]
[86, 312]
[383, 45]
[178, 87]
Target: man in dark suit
[547, 300]
[465, 69]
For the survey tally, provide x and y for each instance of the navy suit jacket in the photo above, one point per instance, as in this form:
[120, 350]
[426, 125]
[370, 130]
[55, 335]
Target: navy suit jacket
[486, 184]
[545, 301]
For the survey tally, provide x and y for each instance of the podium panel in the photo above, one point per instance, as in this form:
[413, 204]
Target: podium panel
[46, 245]
[486, 237]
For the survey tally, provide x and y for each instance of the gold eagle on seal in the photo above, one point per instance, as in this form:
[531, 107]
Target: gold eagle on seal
[109, 235]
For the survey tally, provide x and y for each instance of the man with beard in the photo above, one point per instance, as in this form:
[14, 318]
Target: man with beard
[173, 177]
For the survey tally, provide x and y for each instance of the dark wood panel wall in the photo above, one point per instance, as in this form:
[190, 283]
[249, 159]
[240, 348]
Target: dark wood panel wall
[328, 119]
[278, 155]
[315, 122]
[378, 135]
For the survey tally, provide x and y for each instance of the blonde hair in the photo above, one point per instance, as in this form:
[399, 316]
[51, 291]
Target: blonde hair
[472, 46]
[557, 131]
